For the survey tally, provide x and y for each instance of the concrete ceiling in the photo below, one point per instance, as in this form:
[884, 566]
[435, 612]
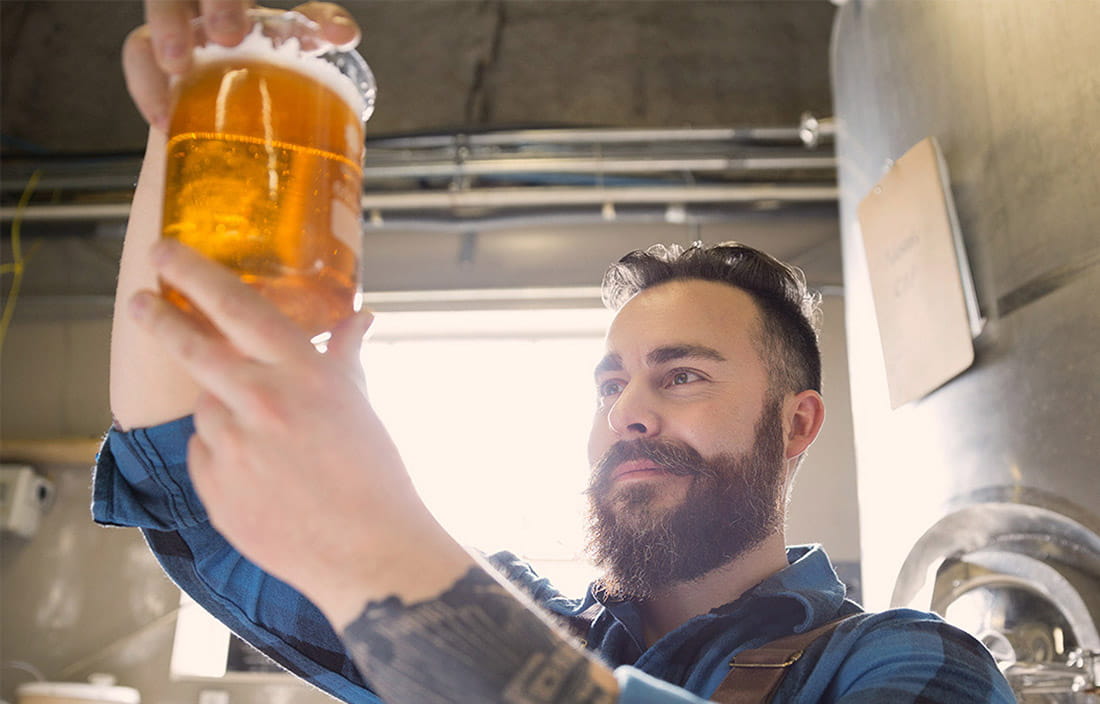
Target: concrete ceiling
[444, 65]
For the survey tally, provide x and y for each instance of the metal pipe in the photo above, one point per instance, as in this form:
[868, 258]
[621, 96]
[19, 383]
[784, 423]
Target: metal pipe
[814, 130]
[68, 212]
[610, 135]
[541, 197]
[494, 198]
[637, 165]
[577, 216]
[382, 167]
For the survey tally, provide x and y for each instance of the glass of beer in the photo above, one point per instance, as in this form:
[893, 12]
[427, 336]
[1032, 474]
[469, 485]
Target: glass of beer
[264, 165]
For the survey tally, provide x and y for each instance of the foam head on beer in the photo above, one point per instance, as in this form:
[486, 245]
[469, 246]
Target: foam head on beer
[264, 167]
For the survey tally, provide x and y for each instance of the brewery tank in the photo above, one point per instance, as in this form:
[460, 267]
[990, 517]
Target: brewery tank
[981, 500]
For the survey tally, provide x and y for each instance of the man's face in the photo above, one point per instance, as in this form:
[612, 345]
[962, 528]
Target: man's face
[687, 446]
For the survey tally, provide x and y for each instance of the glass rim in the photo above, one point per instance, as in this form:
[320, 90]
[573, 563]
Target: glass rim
[283, 26]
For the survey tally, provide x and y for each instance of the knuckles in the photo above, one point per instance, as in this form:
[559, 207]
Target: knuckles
[270, 408]
[138, 40]
[231, 303]
[191, 346]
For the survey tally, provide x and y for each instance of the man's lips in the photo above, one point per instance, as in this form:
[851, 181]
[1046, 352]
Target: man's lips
[638, 469]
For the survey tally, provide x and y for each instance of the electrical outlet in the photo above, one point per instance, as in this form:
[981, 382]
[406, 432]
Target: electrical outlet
[24, 496]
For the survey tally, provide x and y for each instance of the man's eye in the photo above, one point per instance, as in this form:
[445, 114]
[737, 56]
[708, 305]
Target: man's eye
[609, 388]
[682, 376]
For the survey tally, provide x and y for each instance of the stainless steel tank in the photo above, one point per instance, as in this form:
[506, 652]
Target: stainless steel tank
[982, 500]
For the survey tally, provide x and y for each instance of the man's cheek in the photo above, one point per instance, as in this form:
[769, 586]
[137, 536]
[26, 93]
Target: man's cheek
[599, 440]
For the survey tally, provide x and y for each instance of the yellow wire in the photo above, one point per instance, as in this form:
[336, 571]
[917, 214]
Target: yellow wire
[18, 262]
[10, 267]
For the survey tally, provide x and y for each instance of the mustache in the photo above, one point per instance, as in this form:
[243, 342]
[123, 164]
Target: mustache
[672, 457]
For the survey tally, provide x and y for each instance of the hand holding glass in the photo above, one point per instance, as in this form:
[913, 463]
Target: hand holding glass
[264, 165]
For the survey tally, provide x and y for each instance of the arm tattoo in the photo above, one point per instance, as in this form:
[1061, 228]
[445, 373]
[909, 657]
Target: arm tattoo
[474, 643]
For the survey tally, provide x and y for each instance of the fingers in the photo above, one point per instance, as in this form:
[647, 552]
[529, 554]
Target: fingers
[208, 357]
[146, 82]
[213, 419]
[162, 47]
[250, 323]
[337, 24]
[347, 339]
[202, 465]
[225, 21]
[235, 380]
[169, 24]
[199, 464]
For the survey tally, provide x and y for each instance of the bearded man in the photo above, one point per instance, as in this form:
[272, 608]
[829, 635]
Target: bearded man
[271, 492]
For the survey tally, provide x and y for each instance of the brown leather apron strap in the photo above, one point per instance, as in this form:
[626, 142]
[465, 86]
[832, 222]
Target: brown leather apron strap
[755, 674]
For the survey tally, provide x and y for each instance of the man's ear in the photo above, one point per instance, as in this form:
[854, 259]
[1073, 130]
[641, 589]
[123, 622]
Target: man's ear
[804, 413]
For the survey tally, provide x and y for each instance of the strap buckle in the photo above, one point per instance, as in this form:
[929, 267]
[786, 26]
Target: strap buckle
[792, 658]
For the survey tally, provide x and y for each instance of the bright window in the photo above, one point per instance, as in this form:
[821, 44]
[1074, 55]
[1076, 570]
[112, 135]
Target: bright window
[491, 412]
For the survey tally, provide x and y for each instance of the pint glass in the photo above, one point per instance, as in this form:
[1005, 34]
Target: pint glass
[264, 165]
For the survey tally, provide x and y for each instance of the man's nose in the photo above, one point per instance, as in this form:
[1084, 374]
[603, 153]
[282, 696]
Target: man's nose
[634, 414]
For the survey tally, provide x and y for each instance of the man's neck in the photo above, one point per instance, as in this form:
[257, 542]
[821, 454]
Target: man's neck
[681, 602]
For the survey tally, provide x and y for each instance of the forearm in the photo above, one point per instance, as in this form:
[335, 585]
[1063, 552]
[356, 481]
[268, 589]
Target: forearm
[141, 480]
[147, 386]
[478, 640]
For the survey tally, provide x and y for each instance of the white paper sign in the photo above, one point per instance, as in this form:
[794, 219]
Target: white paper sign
[920, 279]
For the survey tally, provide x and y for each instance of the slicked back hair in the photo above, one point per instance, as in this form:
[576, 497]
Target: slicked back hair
[789, 310]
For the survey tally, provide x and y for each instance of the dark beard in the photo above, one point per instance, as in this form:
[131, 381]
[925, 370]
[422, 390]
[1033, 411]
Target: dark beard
[732, 505]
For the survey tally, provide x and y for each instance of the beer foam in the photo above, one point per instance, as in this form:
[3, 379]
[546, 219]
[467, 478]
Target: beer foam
[289, 55]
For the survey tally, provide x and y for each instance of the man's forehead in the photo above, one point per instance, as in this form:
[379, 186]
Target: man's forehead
[687, 302]
[684, 313]
[692, 290]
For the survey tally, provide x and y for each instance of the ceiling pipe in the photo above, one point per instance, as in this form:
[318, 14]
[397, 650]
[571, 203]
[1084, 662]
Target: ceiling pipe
[583, 216]
[635, 165]
[568, 196]
[488, 198]
[609, 135]
[380, 168]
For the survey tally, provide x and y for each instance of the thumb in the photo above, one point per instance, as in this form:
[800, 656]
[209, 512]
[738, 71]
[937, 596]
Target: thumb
[337, 24]
[347, 338]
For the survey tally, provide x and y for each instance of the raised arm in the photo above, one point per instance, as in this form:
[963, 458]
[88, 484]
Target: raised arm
[147, 387]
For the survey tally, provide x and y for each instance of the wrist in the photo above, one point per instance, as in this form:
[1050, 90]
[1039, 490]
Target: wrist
[415, 563]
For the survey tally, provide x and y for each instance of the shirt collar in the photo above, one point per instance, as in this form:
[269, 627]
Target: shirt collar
[808, 581]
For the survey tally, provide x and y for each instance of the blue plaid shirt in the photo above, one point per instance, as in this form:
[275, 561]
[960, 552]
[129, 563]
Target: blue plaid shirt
[900, 656]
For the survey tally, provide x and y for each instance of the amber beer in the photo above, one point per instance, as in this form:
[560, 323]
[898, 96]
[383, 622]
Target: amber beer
[264, 175]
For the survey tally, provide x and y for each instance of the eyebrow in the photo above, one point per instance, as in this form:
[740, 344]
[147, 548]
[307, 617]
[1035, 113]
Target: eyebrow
[668, 353]
[610, 363]
[663, 355]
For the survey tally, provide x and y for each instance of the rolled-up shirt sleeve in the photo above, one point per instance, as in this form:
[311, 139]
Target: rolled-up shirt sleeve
[141, 481]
